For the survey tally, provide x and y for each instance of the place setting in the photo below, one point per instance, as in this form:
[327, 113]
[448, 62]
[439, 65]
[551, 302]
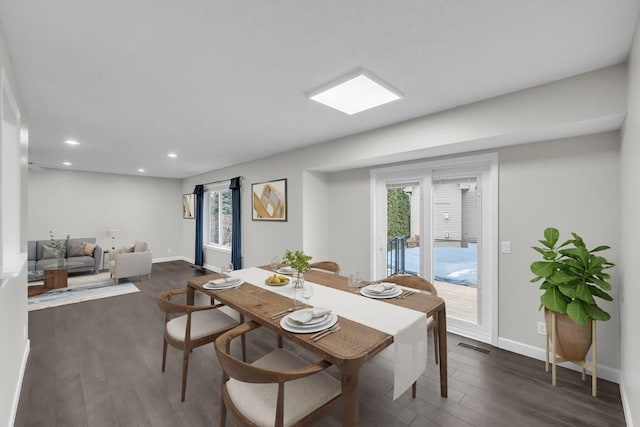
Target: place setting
[382, 290]
[223, 283]
[309, 320]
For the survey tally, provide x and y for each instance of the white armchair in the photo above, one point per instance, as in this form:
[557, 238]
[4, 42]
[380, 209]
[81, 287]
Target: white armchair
[128, 262]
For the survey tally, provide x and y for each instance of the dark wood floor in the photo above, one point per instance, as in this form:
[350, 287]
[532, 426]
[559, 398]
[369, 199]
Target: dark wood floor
[97, 363]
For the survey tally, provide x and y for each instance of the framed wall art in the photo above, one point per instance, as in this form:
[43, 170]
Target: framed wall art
[188, 206]
[269, 200]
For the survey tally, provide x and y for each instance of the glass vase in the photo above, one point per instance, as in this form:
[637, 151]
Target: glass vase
[298, 286]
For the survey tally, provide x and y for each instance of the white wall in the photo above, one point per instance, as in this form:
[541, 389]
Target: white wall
[86, 204]
[14, 349]
[572, 185]
[630, 236]
[315, 227]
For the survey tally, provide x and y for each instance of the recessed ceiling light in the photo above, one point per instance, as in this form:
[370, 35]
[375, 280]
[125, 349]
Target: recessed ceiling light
[141, 170]
[356, 92]
[172, 155]
[72, 142]
[67, 163]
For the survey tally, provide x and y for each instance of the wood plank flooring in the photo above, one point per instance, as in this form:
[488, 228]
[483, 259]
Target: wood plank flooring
[97, 363]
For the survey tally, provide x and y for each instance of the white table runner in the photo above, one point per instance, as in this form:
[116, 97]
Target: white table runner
[408, 327]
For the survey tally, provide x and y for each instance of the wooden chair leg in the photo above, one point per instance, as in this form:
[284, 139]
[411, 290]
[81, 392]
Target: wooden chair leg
[280, 341]
[436, 344]
[185, 370]
[223, 409]
[164, 354]
[243, 342]
[414, 389]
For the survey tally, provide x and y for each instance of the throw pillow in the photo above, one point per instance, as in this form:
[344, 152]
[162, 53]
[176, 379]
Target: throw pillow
[140, 246]
[89, 248]
[76, 249]
[49, 252]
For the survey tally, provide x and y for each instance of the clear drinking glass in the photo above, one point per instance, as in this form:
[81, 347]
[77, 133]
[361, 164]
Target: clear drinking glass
[275, 261]
[227, 268]
[358, 281]
[353, 282]
[307, 291]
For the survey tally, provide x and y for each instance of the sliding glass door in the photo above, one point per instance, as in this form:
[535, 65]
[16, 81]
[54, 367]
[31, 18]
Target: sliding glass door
[438, 220]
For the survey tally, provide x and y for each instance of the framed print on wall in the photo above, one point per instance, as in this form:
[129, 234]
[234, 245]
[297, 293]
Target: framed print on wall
[269, 200]
[188, 206]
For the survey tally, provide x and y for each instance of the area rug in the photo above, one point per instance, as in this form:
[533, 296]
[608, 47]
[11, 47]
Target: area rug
[79, 292]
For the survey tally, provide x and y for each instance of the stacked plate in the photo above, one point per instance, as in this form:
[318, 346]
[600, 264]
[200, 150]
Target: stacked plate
[308, 320]
[381, 290]
[224, 283]
[286, 270]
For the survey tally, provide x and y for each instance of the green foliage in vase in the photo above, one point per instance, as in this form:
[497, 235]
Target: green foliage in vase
[59, 245]
[297, 260]
[572, 276]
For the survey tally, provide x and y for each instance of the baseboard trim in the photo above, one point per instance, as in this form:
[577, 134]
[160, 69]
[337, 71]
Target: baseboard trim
[626, 403]
[167, 259]
[604, 372]
[23, 369]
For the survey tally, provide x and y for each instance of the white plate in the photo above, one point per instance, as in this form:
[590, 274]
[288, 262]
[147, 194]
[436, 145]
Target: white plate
[393, 288]
[227, 285]
[364, 292]
[284, 324]
[310, 324]
[286, 270]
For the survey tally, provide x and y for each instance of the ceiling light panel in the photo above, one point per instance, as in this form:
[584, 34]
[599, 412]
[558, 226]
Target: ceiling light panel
[357, 93]
[71, 142]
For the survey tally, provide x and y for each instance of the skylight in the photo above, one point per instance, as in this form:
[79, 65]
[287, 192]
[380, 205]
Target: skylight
[356, 93]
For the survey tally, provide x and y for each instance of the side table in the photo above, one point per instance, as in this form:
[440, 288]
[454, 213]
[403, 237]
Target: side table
[104, 256]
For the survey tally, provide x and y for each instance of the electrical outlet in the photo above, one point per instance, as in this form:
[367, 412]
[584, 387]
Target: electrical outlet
[542, 328]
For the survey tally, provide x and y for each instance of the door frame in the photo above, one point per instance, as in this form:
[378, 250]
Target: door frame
[487, 167]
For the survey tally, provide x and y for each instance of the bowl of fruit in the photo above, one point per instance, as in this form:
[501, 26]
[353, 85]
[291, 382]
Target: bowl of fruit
[276, 280]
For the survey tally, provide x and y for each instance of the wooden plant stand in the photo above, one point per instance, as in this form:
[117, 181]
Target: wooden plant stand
[591, 366]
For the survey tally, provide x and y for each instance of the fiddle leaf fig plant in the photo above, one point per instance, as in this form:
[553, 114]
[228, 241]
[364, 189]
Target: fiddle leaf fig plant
[572, 275]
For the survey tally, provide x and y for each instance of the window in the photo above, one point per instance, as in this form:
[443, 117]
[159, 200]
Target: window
[219, 209]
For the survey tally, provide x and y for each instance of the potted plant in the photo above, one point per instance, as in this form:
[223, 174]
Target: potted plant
[572, 277]
[297, 260]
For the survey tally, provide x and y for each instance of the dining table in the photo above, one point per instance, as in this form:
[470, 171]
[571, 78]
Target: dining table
[349, 349]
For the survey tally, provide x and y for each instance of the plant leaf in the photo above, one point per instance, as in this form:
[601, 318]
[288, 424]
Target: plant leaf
[542, 268]
[584, 293]
[551, 235]
[596, 291]
[603, 284]
[596, 313]
[568, 290]
[554, 300]
[576, 311]
[600, 248]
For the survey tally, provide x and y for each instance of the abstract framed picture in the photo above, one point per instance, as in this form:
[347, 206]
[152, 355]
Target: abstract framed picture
[188, 206]
[269, 200]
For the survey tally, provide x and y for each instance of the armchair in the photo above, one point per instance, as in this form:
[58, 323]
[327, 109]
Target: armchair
[128, 262]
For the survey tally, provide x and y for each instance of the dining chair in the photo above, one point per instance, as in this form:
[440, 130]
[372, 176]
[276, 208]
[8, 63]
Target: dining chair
[332, 266]
[256, 393]
[422, 284]
[199, 325]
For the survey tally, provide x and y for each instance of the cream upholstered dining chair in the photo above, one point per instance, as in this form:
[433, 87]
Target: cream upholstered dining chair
[279, 389]
[332, 266]
[199, 325]
[417, 282]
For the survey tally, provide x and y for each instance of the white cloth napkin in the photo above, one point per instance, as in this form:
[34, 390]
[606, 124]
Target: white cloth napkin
[224, 281]
[284, 270]
[382, 288]
[307, 315]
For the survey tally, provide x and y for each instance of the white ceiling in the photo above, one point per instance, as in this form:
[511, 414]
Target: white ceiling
[223, 82]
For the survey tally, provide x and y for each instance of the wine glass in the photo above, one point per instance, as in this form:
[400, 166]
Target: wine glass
[227, 269]
[353, 282]
[307, 291]
[275, 261]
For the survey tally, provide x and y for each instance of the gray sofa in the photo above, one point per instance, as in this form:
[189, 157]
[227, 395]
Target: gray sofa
[80, 256]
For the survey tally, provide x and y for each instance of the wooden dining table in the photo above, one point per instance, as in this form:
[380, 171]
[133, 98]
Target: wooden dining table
[347, 349]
